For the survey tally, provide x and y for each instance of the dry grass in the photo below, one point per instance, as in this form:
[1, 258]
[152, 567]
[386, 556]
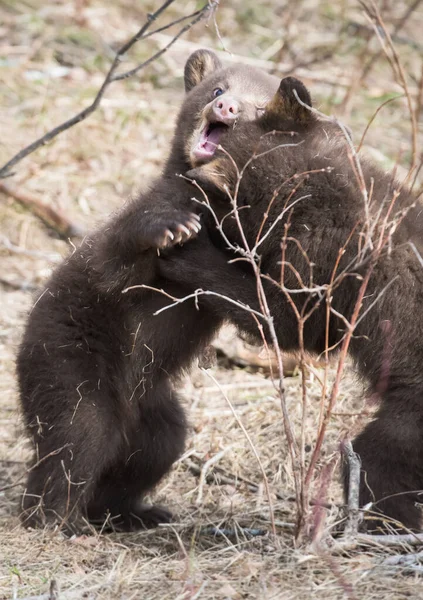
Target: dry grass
[88, 172]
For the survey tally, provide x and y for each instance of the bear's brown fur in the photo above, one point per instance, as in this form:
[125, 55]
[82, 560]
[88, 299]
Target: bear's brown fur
[306, 183]
[96, 368]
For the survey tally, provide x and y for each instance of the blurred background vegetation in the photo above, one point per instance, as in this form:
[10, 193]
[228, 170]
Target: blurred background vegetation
[53, 58]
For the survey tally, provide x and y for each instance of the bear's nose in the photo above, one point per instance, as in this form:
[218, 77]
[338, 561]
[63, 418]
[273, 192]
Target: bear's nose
[225, 109]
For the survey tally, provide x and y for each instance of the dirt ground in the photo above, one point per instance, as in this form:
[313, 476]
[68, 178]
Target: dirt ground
[53, 58]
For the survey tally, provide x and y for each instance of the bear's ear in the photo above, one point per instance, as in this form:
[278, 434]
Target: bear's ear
[199, 65]
[285, 104]
[216, 177]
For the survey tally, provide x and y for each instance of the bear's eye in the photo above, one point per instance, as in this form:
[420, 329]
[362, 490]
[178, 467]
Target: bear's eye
[217, 92]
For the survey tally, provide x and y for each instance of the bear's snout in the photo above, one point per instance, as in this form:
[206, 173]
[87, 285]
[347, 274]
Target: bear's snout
[225, 109]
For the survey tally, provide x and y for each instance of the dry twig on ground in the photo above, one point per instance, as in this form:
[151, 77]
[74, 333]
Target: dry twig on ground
[52, 217]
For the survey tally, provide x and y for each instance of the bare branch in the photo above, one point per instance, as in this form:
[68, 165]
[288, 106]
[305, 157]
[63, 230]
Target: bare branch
[196, 17]
[354, 466]
[194, 295]
[412, 562]
[399, 25]
[379, 108]
[386, 42]
[53, 257]
[52, 217]
[5, 171]
[392, 541]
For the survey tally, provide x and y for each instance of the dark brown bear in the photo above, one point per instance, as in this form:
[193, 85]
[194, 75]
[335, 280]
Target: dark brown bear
[96, 368]
[304, 179]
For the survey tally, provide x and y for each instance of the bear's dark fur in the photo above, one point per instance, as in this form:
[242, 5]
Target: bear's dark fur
[96, 368]
[304, 180]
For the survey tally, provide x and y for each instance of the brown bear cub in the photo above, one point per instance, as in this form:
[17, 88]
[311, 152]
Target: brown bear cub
[301, 196]
[96, 368]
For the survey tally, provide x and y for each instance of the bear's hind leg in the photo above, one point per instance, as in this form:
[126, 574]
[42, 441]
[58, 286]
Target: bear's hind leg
[391, 452]
[157, 441]
[69, 458]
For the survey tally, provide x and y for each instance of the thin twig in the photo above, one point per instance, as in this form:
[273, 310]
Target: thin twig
[5, 171]
[400, 24]
[379, 108]
[197, 16]
[203, 473]
[220, 477]
[18, 481]
[379, 26]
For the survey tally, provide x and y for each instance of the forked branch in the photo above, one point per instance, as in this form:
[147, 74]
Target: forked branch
[210, 6]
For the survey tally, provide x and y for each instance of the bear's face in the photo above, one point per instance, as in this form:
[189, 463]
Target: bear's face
[263, 163]
[217, 99]
[257, 162]
[287, 112]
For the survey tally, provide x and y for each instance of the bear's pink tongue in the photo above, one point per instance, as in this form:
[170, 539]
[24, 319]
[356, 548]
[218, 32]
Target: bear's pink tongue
[209, 140]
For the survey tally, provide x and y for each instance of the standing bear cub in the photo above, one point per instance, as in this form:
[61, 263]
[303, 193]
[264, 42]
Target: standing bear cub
[96, 368]
[289, 183]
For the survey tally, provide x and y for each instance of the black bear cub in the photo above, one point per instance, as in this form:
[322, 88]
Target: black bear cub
[300, 203]
[96, 368]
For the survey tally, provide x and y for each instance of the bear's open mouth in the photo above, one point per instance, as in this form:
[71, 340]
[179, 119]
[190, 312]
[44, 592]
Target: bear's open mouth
[209, 139]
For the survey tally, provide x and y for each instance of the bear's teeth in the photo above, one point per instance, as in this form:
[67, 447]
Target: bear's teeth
[209, 140]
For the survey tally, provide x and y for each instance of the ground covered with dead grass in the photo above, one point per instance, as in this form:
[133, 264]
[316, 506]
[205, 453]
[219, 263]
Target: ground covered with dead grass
[53, 59]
